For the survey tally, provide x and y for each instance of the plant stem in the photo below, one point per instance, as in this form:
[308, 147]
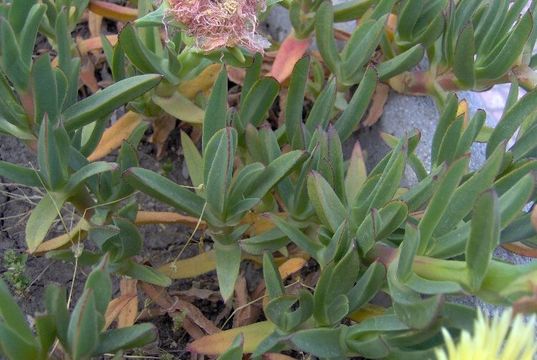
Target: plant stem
[422, 83]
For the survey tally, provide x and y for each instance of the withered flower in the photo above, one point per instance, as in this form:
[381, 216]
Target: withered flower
[221, 23]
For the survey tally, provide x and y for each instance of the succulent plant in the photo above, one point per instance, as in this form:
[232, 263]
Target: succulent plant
[388, 261]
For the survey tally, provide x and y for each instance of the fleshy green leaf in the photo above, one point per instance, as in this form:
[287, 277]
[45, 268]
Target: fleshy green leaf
[228, 261]
[400, 63]
[126, 338]
[325, 36]
[325, 201]
[216, 111]
[194, 161]
[258, 102]
[165, 190]
[83, 333]
[484, 237]
[218, 159]
[463, 60]
[105, 101]
[440, 200]
[42, 217]
[350, 118]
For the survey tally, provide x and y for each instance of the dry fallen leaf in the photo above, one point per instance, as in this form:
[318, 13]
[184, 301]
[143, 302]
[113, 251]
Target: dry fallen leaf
[201, 83]
[160, 296]
[291, 266]
[94, 24]
[218, 343]
[521, 249]
[113, 11]
[127, 316]
[114, 136]
[162, 127]
[84, 46]
[236, 74]
[245, 314]
[114, 309]
[196, 293]
[87, 75]
[377, 104]
[164, 217]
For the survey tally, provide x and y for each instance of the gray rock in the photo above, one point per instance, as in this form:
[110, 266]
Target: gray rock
[277, 24]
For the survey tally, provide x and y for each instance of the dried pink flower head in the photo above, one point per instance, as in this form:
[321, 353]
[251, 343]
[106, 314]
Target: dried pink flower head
[218, 23]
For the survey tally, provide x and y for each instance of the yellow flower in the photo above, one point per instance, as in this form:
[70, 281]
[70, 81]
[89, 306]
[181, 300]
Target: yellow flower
[492, 340]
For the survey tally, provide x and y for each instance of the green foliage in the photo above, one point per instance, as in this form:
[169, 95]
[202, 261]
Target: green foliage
[81, 333]
[15, 274]
[280, 188]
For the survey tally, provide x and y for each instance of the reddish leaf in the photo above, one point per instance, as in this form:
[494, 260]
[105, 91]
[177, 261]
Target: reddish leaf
[291, 50]
[521, 249]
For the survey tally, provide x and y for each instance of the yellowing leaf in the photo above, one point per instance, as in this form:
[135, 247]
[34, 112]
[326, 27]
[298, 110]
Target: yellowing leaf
[113, 11]
[462, 109]
[94, 43]
[291, 266]
[260, 223]
[191, 267]
[203, 82]
[366, 312]
[75, 235]
[391, 25]
[180, 107]
[114, 136]
[218, 343]
[274, 356]
[164, 217]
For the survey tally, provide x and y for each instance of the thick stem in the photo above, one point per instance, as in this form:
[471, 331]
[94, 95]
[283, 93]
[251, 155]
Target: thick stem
[526, 76]
[425, 267]
[422, 83]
